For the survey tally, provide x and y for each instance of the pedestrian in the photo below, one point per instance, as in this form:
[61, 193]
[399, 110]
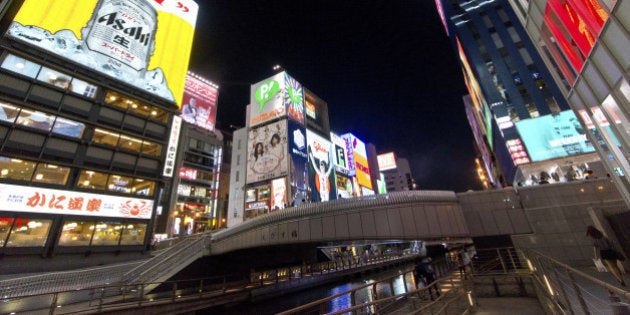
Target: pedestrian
[425, 274]
[603, 249]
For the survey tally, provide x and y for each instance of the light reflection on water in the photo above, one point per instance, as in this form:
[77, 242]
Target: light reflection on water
[300, 298]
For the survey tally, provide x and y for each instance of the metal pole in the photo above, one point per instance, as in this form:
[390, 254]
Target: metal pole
[578, 293]
[53, 304]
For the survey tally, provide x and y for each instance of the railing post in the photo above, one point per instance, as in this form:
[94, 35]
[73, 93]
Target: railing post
[501, 260]
[53, 304]
[512, 252]
[141, 294]
[174, 296]
[200, 288]
[224, 284]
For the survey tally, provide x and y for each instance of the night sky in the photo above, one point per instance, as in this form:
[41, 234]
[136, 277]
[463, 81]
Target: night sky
[385, 68]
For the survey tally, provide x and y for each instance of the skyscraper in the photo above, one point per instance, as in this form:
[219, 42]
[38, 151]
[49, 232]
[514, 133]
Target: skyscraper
[534, 136]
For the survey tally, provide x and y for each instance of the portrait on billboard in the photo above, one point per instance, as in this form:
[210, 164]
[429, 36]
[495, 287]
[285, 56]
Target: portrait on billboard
[321, 175]
[267, 152]
[553, 136]
[200, 102]
[120, 39]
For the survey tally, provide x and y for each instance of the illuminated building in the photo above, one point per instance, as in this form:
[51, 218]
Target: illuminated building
[397, 172]
[86, 147]
[585, 43]
[519, 113]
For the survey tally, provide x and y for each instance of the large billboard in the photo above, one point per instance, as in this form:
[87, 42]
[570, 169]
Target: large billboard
[356, 150]
[553, 136]
[340, 154]
[316, 113]
[200, 102]
[66, 202]
[320, 167]
[276, 97]
[386, 161]
[299, 157]
[145, 43]
[266, 154]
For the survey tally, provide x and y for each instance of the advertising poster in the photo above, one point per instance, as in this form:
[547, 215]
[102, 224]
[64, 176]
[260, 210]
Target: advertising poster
[340, 154]
[200, 102]
[145, 43]
[316, 113]
[386, 161]
[553, 136]
[266, 152]
[344, 186]
[278, 194]
[294, 99]
[357, 154]
[267, 100]
[320, 168]
[299, 157]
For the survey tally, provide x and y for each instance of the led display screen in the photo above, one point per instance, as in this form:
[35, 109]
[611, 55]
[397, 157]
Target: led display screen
[320, 166]
[299, 157]
[340, 154]
[200, 102]
[145, 43]
[356, 149]
[278, 194]
[553, 136]
[266, 154]
[386, 161]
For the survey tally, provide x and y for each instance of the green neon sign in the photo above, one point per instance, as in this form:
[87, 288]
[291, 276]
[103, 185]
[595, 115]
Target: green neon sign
[266, 92]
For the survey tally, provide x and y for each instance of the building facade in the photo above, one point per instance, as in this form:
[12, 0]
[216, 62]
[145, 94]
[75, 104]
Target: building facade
[585, 43]
[534, 136]
[84, 133]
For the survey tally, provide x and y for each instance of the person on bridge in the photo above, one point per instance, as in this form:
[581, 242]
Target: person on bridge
[604, 250]
[425, 274]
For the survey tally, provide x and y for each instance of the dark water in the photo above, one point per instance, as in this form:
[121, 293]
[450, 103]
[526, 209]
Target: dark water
[289, 301]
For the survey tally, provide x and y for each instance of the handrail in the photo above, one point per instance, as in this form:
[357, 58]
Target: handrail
[608, 286]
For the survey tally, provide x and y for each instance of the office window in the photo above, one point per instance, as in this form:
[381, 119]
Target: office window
[151, 148]
[55, 78]
[16, 169]
[20, 65]
[8, 112]
[130, 143]
[120, 183]
[35, 119]
[68, 128]
[29, 232]
[76, 233]
[51, 174]
[5, 226]
[106, 233]
[143, 187]
[133, 234]
[83, 88]
[105, 137]
[92, 180]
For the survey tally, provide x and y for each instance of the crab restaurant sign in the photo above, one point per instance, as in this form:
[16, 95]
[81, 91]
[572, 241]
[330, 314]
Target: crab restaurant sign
[53, 201]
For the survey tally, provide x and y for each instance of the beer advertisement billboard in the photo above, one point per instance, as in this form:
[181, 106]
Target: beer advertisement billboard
[200, 102]
[321, 178]
[266, 152]
[145, 43]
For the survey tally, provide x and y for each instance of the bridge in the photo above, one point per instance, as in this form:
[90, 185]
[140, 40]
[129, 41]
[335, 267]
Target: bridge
[546, 218]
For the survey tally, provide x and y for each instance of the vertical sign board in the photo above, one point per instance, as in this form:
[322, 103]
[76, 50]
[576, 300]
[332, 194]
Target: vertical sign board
[200, 102]
[294, 99]
[359, 155]
[298, 168]
[320, 167]
[144, 43]
[171, 149]
[267, 152]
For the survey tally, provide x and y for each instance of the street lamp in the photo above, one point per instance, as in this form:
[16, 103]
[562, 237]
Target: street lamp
[277, 67]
